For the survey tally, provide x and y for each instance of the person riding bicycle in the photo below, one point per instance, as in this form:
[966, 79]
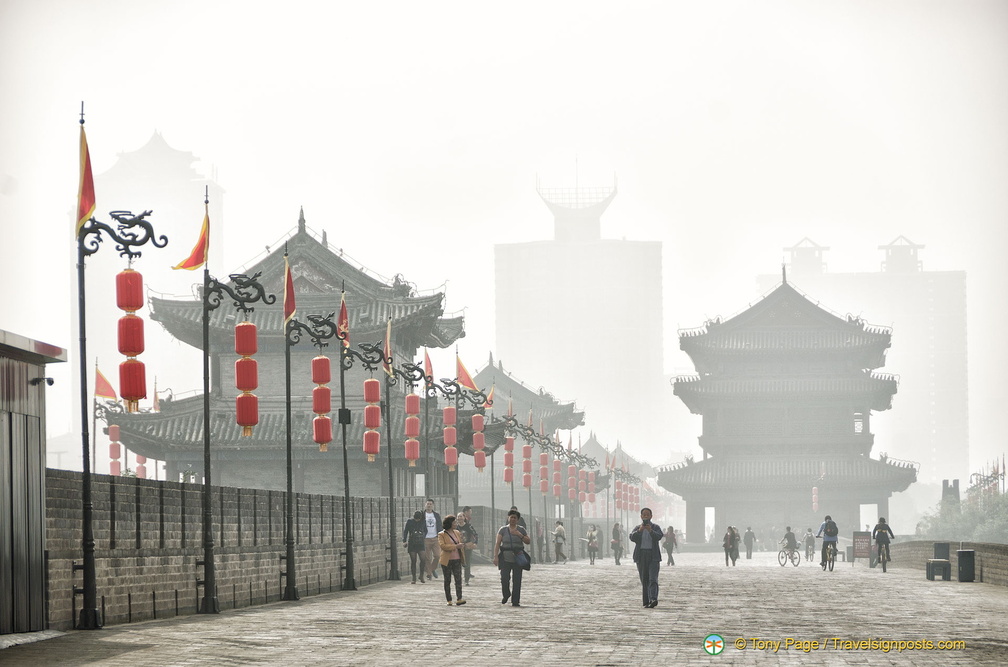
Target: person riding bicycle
[828, 531]
[809, 543]
[882, 533]
[789, 540]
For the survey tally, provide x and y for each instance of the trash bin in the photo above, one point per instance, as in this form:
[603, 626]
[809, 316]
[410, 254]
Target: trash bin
[967, 564]
[941, 550]
[850, 554]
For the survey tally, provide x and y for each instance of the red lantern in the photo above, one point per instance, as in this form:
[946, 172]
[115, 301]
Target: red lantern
[527, 480]
[141, 471]
[246, 342]
[321, 400]
[572, 470]
[508, 475]
[320, 370]
[591, 475]
[557, 465]
[451, 457]
[448, 415]
[132, 383]
[412, 451]
[450, 436]
[571, 494]
[113, 432]
[372, 391]
[372, 443]
[581, 496]
[527, 466]
[247, 412]
[556, 477]
[479, 440]
[131, 335]
[479, 459]
[509, 459]
[543, 486]
[544, 459]
[527, 452]
[246, 374]
[129, 290]
[412, 404]
[556, 490]
[591, 487]
[477, 422]
[508, 444]
[114, 450]
[322, 432]
[115, 469]
[582, 474]
[591, 497]
[412, 426]
[543, 472]
[372, 416]
[141, 459]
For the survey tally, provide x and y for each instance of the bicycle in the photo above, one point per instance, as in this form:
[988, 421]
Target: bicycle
[883, 555]
[809, 551]
[786, 555]
[831, 552]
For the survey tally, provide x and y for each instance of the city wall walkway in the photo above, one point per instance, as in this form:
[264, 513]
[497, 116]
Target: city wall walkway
[579, 614]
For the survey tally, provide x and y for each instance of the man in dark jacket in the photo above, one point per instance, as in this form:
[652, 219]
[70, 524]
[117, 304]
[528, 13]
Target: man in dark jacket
[748, 539]
[432, 521]
[647, 554]
[469, 536]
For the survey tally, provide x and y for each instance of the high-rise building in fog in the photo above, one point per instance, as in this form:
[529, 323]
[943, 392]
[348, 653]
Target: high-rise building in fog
[927, 312]
[584, 314]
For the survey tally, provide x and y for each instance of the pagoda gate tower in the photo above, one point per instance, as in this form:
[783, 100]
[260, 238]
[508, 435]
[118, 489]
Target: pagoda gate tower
[786, 390]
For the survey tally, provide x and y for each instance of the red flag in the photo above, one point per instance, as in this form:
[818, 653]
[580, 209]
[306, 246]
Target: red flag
[198, 256]
[85, 184]
[530, 420]
[290, 309]
[488, 405]
[462, 376]
[387, 351]
[343, 323]
[156, 405]
[511, 408]
[427, 368]
[102, 387]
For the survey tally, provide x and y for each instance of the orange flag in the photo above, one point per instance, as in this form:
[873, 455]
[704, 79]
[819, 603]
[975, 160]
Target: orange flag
[530, 419]
[387, 351]
[102, 387]
[85, 184]
[488, 405]
[343, 323]
[198, 256]
[427, 368]
[462, 376]
[290, 309]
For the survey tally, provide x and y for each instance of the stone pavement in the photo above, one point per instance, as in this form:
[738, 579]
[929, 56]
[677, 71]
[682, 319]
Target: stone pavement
[578, 614]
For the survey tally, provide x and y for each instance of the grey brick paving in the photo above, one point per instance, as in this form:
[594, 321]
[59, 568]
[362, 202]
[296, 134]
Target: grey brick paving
[575, 614]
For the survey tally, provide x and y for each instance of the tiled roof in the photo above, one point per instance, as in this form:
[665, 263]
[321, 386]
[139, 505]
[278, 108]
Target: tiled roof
[742, 473]
[554, 414]
[880, 386]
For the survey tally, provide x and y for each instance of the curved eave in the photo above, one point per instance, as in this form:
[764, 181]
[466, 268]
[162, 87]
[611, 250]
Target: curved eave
[787, 475]
[697, 392]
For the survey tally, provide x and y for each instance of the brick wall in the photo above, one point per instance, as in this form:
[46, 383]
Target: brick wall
[148, 537]
[990, 560]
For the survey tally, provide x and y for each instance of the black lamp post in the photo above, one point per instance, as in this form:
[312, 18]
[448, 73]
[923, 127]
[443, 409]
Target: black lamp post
[131, 232]
[453, 391]
[321, 329]
[246, 291]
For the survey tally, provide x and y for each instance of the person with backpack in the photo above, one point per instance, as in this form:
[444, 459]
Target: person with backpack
[413, 540]
[828, 531]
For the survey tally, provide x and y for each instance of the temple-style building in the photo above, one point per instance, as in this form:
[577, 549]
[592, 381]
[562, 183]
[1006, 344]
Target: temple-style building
[786, 390]
[175, 434]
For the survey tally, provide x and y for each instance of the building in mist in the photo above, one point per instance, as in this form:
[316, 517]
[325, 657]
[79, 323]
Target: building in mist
[584, 315]
[175, 434]
[786, 390]
[927, 310]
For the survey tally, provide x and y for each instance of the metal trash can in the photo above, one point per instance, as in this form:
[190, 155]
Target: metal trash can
[941, 550]
[967, 564]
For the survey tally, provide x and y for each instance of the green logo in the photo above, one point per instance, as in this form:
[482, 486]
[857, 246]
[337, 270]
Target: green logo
[713, 644]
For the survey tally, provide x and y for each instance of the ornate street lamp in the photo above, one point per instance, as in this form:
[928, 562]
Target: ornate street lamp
[453, 391]
[131, 232]
[243, 291]
[320, 329]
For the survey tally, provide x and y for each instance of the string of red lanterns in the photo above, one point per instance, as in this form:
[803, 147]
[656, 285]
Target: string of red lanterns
[479, 442]
[509, 460]
[246, 377]
[412, 427]
[448, 415]
[132, 374]
[322, 401]
[527, 466]
[115, 450]
[372, 418]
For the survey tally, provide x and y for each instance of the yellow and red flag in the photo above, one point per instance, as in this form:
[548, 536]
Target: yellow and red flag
[198, 256]
[387, 350]
[290, 309]
[102, 387]
[530, 419]
[428, 369]
[85, 185]
[343, 322]
[488, 404]
[462, 376]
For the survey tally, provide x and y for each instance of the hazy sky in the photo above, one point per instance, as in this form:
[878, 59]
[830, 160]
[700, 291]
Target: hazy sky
[413, 133]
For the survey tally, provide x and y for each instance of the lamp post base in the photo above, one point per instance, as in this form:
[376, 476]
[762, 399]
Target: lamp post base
[349, 584]
[89, 619]
[290, 593]
[209, 605]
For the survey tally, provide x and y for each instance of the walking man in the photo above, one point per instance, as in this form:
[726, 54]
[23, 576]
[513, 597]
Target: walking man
[647, 554]
[749, 538]
[432, 552]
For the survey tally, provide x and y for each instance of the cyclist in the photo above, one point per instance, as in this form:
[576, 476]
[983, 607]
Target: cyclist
[882, 534]
[809, 544]
[789, 540]
[828, 531]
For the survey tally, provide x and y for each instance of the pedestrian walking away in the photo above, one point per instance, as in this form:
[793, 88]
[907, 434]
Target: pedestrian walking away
[647, 555]
[748, 539]
[471, 539]
[509, 547]
[592, 540]
[559, 539]
[432, 520]
[452, 549]
[413, 539]
[671, 541]
[617, 542]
